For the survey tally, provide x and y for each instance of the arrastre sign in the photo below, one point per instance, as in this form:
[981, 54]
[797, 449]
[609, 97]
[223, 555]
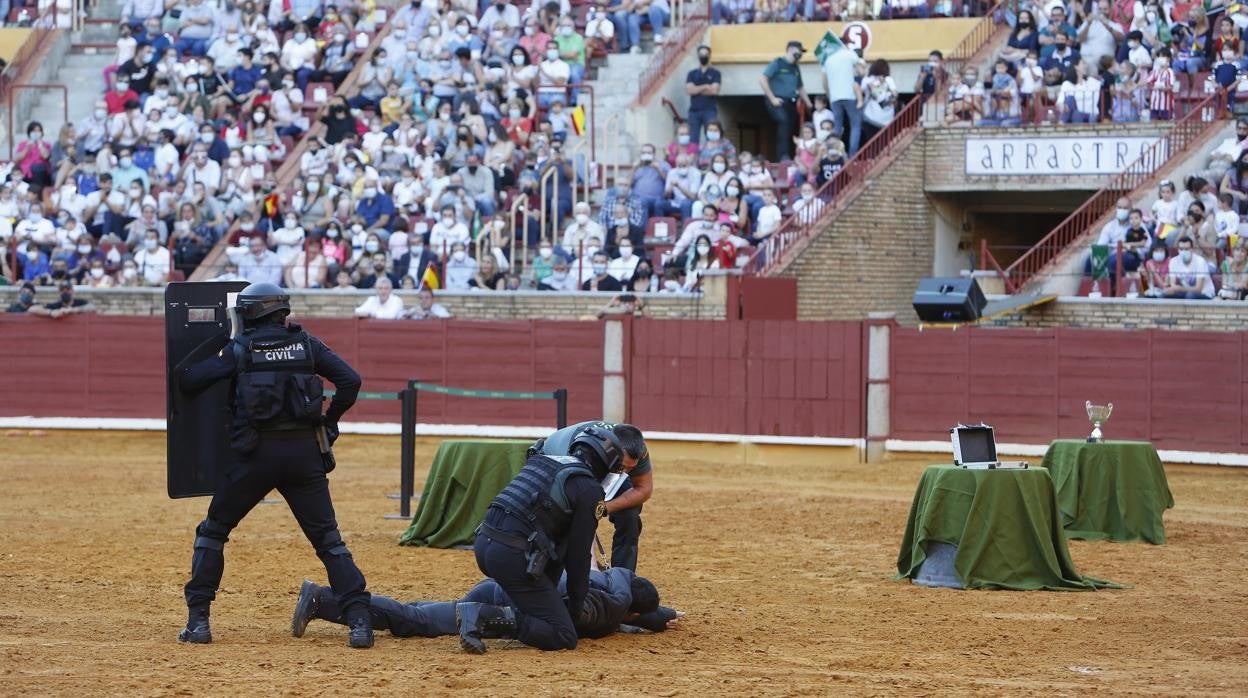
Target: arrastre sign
[1031, 157]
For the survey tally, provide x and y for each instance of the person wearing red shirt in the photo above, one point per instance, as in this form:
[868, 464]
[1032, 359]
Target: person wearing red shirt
[116, 98]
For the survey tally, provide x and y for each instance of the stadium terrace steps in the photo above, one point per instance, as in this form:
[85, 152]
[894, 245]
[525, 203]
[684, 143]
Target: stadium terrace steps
[614, 92]
[1062, 276]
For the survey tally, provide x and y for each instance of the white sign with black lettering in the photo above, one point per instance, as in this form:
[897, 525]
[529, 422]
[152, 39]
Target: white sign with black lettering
[1096, 155]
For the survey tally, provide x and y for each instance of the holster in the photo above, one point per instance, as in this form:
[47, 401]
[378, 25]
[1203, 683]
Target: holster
[541, 551]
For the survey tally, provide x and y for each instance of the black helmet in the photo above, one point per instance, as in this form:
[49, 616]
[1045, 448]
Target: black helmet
[605, 446]
[261, 299]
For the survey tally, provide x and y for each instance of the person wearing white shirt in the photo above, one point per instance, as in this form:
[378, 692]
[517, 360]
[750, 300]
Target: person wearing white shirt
[460, 268]
[552, 77]
[166, 158]
[286, 105]
[383, 306]
[314, 162]
[808, 206]
[299, 53]
[447, 232]
[153, 260]
[580, 229]
[204, 170]
[1099, 35]
[769, 216]
[288, 240]
[1188, 274]
[224, 51]
[427, 309]
[68, 199]
[36, 228]
[622, 267]
[1115, 231]
[408, 189]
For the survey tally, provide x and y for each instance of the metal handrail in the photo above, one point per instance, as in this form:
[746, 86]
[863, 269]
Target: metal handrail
[520, 214]
[1191, 126]
[548, 202]
[986, 259]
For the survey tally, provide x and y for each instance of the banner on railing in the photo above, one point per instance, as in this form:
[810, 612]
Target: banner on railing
[1056, 156]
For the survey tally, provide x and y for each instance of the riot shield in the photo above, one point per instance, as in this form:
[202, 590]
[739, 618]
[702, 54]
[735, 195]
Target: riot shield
[199, 320]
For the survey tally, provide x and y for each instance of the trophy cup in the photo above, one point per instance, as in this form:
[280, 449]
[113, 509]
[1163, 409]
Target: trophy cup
[1096, 415]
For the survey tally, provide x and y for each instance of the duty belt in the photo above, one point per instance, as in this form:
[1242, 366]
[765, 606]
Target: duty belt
[502, 537]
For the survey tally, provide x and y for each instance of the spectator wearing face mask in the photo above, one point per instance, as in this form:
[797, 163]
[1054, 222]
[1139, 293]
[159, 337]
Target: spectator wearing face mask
[1187, 275]
[560, 278]
[580, 229]
[702, 84]
[66, 304]
[553, 75]
[682, 185]
[375, 207]
[706, 225]
[153, 261]
[447, 232]
[416, 259]
[35, 228]
[715, 144]
[648, 181]
[600, 279]
[808, 206]
[260, 264]
[460, 268]
[287, 241]
[25, 302]
[478, 182]
[625, 265]
[384, 305]
[783, 89]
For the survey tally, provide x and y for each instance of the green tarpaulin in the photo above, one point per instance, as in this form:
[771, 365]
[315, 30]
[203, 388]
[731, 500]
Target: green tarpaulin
[462, 481]
[1113, 490]
[1004, 524]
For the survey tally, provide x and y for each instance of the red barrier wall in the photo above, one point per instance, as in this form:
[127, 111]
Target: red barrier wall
[112, 366]
[1180, 390]
[774, 377]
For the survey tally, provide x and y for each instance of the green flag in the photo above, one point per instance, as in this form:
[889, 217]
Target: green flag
[1100, 262]
[828, 45]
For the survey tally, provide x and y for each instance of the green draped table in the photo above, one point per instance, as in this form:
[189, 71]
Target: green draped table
[1005, 525]
[1112, 490]
[462, 481]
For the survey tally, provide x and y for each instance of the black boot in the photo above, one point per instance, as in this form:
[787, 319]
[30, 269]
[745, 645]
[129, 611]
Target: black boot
[479, 621]
[197, 629]
[360, 628]
[305, 607]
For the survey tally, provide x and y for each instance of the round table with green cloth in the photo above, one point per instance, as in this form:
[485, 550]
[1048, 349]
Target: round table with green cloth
[1004, 524]
[1111, 490]
[463, 480]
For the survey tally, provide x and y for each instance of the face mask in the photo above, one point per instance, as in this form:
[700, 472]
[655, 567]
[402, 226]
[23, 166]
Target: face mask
[36, 217]
[130, 272]
[545, 252]
[26, 297]
[258, 117]
[417, 249]
[732, 191]
[620, 222]
[600, 269]
[300, 36]
[371, 246]
[235, 161]
[444, 117]
[370, 192]
[647, 157]
[1159, 255]
[459, 255]
[97, 273]
[704, 60]
[1121, 214]
[287, 84]
[683, 139]
[192, 87]
[626, 251]
[84, 249]
[719, 167]
[1185, 255]
[434, 30]
[125, 162]
[332, 233]
[123, 86]
[968, 80]
[292, 222]
[461, 29]
[591, 250]
[66, 297]
[559, 276]
[248, 227]
[513, 114]
[529, 31]
[582, 218]
[32, 255]
[552, 55]
[205, 138]
[712, 135]
[149, 244]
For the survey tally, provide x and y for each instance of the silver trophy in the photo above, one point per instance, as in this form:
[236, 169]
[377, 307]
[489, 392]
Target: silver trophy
[1097, 414]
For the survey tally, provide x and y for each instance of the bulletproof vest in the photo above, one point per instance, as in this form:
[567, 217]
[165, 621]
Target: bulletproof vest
[276, 387]
[537, 493]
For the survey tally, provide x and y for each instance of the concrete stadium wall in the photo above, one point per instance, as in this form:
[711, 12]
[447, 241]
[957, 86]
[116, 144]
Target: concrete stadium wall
[1133, 314]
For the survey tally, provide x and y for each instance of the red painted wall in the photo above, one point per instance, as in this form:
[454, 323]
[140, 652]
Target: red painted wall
[775, 377]
[109, 366]
[1180, 390]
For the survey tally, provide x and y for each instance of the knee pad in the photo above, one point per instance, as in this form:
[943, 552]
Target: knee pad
[211, 534]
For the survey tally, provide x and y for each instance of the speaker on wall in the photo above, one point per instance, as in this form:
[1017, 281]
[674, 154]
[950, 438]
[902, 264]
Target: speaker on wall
[948, 299]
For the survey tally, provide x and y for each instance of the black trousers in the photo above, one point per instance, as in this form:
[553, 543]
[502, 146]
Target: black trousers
[289, 462]
[415, 619]
[624, 541]
[786, 120]
[542, 617]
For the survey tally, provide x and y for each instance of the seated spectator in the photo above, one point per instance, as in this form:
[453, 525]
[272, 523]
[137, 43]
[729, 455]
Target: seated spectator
[487, 276]
[33, 157]
[1225, 221]
[1080, 96]
[600, 279]
[1235, 274]
[384, 305]
[806, 159]
[1187, 276]
[374, 267]
[1024, 38]
[460, 268]
[559, 279]
[260, 264]
[1127, 102]
[715, 144]
[1188, 46]
[447, 232]
[98, 276]
[623, 266]
[1057, 32]
[308, 267]
[153, 261]
[808, 206]
[683, 144]
[966, 99]
[707, 225]
[229, 272]
[426, 309]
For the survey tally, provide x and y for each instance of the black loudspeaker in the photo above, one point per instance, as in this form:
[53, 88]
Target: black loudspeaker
[948, 300]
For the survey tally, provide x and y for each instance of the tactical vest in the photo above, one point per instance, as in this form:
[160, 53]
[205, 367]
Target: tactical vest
[276, 387]
[537, 493]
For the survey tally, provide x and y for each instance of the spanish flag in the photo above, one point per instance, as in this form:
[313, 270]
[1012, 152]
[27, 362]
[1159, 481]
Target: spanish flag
[429, 279]
[271, 205]
[578, 120]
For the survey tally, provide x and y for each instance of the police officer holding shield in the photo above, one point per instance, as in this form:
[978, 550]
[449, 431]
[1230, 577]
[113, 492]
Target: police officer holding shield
[538, 528]
[275, 412]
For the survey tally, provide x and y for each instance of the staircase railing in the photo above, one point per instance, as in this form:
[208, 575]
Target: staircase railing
[689, 20]
[1199, 119]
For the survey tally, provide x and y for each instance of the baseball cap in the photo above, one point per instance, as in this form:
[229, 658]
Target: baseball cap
[65, 283]
[795, 44]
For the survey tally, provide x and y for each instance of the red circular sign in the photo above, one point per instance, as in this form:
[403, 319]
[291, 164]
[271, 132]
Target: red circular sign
[857, 36]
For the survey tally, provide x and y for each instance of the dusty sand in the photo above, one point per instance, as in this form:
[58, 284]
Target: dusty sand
[784, 572]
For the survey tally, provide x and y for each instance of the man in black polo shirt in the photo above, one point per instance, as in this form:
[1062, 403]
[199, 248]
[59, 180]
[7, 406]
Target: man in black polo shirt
[782, 86]
[67, 304]
[702, 86]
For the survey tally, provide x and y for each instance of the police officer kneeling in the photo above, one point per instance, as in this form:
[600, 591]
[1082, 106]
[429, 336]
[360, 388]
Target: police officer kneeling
[275, 412]
[540, 526]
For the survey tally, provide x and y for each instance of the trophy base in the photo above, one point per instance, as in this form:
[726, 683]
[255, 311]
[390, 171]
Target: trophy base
[1093, 440]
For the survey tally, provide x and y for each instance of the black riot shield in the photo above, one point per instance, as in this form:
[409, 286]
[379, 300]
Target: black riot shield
[198, 324]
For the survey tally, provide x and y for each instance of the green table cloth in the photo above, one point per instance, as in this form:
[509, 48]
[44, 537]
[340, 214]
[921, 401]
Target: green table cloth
[1004, 524]
[1114, 490]
[464, 478]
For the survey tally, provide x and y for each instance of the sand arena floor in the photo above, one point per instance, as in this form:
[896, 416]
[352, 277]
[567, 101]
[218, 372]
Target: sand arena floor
[784, 572]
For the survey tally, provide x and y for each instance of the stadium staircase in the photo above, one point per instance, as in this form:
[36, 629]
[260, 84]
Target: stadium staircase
[1055, 264]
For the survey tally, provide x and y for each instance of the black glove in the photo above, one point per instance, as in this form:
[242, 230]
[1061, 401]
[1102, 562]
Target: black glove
[331, 432]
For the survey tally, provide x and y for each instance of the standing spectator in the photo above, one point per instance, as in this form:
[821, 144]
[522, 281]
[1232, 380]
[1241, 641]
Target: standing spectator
[153, 260]
[1126, 91]
[260, 264]
[1165, 87]
[384, 305]
[1024, 38]
[1188, 274]
[702, 84]
[1099, 35]
[845, 96]
[32, 157]
[1056, 30]
[879, 99]
[932, 75]
[782, 87]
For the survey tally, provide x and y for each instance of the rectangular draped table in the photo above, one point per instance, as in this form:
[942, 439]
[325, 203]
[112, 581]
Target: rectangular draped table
[1003, 522]
[1114, 490]
[463, 479]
